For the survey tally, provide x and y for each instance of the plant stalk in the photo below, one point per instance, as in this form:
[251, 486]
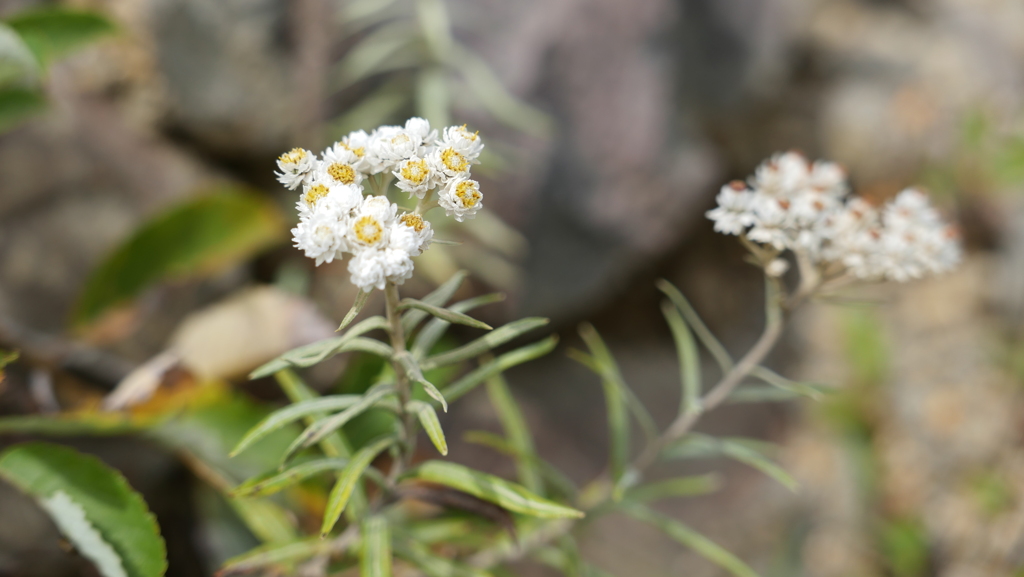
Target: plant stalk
[402, 385]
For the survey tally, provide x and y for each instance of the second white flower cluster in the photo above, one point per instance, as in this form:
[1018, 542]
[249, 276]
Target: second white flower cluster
[336, 218]
[792, 204]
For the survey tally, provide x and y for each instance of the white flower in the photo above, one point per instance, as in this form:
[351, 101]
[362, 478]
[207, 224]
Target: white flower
[367, 270]
[370, 224]
[411, 234]
[358, 143]
[378, 152]
[449, 162]
[390, 145]
[461, 197]
[415, 177]
[466, 143]
[320, 237]
[732, 216]
[338, 167]
[397, 264]
[419, 130]
[295, 165]
[782, 174]
[318, 195]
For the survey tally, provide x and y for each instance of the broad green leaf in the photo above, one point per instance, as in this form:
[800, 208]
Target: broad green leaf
[292, 413]
[693, 540]
[615, 401]
[195, 238]
[499, 365]
[516, 430]
[93, 506]
[443, 313]
[694, 321]
[376, 550]
[504, 493]
[689, 361]
[323, 427]
[429, 334]
[357, 307]
[275, 481]
[53, 32]
[348, 480]
[475, 348]
[678, 487]
[18, 105]
[554, 478]
[413, 372]
[274, 554]
[441, 295]
[18, 66]
[433, 565]
[428, 418]
[314, 353]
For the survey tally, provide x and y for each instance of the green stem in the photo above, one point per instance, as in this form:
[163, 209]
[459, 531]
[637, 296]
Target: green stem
[402, 385]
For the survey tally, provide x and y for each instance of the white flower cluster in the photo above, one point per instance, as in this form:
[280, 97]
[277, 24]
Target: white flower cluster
[336, 218]
[790, 203]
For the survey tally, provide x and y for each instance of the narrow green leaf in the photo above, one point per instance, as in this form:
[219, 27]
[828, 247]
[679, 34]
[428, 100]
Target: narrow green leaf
[640, 413]
[746, 454]
[429, 334]
[275, 554]
[53, 32]
[376, 554]
[707, 338]
[323, 427]
[348, 480]
[92, 504]
[297, 391]
[196, 238]
[693, 540]
[475, 348]
[550, 474]
[292, 413]
[441, 295]
[443, 313]
[433, 565]
[444, 242]
[267, 520]
[511, 496]
[516, 430]
[357, 307]
[615, 401]
[314, 353]
[809, 390]
[272, 482]
[761, 394]
[413, 372]
[689, 361]
[679, 487]
[499, 365]
[428, 418]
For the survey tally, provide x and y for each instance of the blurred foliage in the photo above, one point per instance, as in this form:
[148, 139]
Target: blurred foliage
[92, 505]
[30, 41]
[219, 228]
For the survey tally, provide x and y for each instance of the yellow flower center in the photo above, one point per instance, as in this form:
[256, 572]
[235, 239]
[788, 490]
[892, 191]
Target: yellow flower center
[368, 230]
[466, 134]
[453, 160]
[358, 151]
[413, 221]
[468, 193]
[342, 173]
[415, 171]
[314, 194]
[293, 156]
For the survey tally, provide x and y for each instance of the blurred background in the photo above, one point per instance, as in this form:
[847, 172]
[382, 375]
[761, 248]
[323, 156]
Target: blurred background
[142, 233]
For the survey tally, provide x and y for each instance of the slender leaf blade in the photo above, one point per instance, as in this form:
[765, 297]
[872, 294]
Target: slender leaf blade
[506, 494]
[292, 413]
[270, 483]
[428, 419]
[499, 365]
[612, 384]
[438, 297]
[688, 486]
[429, 334]
[357, 307]
[475, 348]
[320, 429]
[707, 338]
[516, 431]
[376, 550]
[444, 314]
[348, 480]
[689, 361]
[274, 554]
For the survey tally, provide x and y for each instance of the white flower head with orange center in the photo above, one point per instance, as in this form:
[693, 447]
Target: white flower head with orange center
[320, 236]
[358, 143]
[296, 165]
[466, 143]
[461, 197]
[411, 233]
[369, 227]
[415, 177]
[338, 167]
